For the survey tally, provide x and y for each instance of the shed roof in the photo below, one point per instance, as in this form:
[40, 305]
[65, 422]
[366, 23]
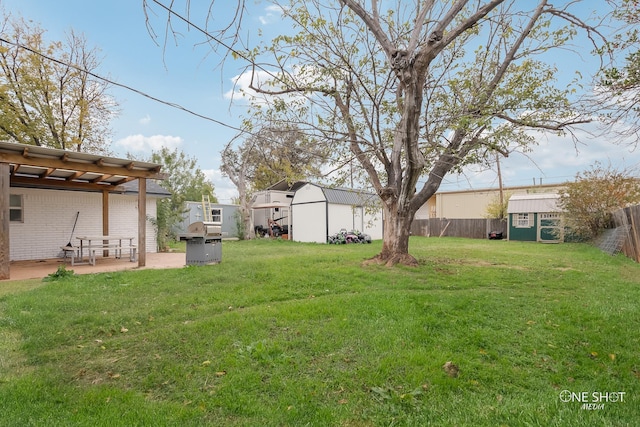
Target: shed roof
[336, 195]
[347, 196]
[539, 202]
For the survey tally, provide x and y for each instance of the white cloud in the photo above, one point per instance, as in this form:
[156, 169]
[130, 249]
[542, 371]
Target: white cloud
[145, 120]
[269, 81]
[241, 86]
[141, 143]
[273, 14]
[274, 8]
[561, 156]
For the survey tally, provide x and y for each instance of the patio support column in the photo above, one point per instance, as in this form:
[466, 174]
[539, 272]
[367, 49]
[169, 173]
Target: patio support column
[142, 222]
[105, 218]
[5, 245]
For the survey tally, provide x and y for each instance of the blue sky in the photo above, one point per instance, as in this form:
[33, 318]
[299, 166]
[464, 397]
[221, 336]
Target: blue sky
[190, 75]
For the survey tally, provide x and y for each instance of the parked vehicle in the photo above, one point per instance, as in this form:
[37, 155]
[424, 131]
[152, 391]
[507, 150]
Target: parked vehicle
[272, 230]
[495, 235]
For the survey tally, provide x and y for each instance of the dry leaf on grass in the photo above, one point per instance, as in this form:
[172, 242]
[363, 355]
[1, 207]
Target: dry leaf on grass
[451, 369]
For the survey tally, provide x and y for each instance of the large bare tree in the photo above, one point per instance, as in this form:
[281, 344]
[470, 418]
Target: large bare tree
[416, 90]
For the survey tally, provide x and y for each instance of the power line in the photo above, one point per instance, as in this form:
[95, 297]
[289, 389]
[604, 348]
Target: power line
[156, 99]
[151, 97]
[230, 48]
[121, 85]
[146, 95]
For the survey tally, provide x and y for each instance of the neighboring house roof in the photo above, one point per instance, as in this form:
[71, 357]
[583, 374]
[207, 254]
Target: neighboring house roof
[153, 188]
[516, 189]
[213, 205]
[542, 202]
[285, 186]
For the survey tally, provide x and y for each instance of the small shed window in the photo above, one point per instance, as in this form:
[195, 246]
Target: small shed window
[524, 220]
[216, 215]
[15, 208]
[551, 215]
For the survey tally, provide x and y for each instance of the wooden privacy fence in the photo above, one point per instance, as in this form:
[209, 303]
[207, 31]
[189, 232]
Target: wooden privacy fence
[629, 217]
[470, 228]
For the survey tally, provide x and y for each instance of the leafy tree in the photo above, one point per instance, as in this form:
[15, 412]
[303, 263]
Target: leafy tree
[621, 81]
[497, 209]
[47, 95]
[590, 200]
[415, 91]
[186, 182]
[283, 153]
[270, 155]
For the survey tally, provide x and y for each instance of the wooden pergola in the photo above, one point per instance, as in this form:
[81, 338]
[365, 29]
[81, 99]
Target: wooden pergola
[38, 167]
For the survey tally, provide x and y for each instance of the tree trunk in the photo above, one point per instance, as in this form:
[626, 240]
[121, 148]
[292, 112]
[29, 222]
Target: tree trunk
[395, 245]
[245, 212]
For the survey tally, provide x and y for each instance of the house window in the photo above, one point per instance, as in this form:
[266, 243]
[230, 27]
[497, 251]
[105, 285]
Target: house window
[15, 208]
[524, 220]
[216, 215]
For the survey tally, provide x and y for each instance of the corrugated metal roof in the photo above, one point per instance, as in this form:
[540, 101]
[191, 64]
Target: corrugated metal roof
[345, 196]
[153, 188]
[34, 166]
[539, 202]
[284, 185]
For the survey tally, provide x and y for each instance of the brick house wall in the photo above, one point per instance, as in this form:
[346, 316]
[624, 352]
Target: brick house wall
[48, 217]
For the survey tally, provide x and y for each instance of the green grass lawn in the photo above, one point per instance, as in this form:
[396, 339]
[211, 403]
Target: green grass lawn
[290, 334]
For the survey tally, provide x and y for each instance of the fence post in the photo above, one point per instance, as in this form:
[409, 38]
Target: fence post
[634, 241]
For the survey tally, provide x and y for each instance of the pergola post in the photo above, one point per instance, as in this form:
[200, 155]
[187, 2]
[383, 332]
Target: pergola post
[105, 218]
[142, 222]
[5, 246]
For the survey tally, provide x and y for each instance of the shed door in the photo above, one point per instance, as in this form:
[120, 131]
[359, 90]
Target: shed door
[309, 222]
[550, 227]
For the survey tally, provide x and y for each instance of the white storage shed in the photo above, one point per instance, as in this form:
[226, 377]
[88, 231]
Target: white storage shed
[318, 212]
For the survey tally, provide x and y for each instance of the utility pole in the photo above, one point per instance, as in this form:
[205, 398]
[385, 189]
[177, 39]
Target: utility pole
[351, 171]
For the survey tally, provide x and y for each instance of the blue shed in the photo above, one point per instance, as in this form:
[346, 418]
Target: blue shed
[224, 213]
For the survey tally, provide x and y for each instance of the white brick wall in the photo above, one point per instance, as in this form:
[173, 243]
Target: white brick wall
[49, 215]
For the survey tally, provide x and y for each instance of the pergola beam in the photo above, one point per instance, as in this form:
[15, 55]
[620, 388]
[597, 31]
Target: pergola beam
[57, 163]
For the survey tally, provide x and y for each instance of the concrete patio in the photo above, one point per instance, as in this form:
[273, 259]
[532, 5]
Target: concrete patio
[38, 269]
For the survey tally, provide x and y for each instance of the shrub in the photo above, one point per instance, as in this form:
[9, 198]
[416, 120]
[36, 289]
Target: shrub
[591, 199]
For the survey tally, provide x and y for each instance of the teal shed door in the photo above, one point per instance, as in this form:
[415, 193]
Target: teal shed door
[550, 228]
